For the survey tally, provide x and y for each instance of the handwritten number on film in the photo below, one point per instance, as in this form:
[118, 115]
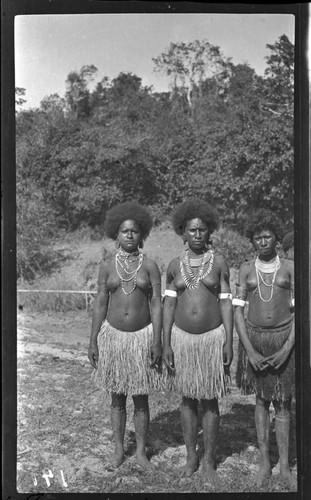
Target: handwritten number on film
[48, 476]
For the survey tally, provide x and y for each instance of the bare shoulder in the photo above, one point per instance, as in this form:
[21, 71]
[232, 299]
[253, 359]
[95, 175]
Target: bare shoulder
[150, 264]
[246, 266]
[173, 266]
[221, 262]
[288, 264]
[105, 269]
[219, 259]
[106, 265]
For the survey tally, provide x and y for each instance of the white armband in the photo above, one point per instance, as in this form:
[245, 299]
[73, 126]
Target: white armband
[225, 296]
[170, 293]
[238, 302]
[292, 302]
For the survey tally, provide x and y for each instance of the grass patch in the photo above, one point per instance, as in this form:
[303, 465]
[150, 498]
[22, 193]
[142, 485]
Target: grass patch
[56, 301]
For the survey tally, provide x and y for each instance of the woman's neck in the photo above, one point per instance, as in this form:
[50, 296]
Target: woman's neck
[197, 252]
[268, 258]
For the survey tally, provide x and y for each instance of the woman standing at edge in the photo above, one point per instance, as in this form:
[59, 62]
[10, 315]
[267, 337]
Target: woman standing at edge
[126, 325]
[197, 330]
[268, 337]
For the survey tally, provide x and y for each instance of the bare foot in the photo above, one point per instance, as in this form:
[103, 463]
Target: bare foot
[143, 461]
[288, 479]
[190, 467]
[262, 475]
[209, 472]
[117, 458]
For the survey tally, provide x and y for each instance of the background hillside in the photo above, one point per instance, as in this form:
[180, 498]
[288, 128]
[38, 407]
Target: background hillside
[222, 133]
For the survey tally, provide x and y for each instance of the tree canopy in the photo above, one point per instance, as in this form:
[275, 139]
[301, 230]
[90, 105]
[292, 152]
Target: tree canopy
[222, 133]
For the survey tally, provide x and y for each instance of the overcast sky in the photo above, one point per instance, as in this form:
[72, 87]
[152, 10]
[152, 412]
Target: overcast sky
[49, 47]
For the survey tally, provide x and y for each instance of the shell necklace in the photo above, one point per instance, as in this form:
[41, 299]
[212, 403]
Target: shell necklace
[192, 280]
[268, 268]
[123, 261]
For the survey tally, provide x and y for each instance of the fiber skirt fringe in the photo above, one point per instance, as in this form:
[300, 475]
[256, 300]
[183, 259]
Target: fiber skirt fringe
[124, 359]
[199, 370]
[270, 384]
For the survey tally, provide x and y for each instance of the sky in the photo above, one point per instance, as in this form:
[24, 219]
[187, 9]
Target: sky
[49, 47]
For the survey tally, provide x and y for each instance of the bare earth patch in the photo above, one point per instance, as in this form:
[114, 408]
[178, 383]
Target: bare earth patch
[64, 425]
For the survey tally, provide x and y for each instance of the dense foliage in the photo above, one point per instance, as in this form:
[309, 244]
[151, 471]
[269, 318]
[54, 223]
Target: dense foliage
[222, 133]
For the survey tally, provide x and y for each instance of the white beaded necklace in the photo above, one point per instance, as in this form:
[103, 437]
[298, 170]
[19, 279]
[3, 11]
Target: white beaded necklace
[191, 280]
[123, 259]
[268, 268]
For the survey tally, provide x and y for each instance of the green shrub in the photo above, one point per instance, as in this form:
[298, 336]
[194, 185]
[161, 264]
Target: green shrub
[234, 247]
[36, 229]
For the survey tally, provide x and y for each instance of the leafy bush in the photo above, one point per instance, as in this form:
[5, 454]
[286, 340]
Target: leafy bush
[234, 247]
[36, 228]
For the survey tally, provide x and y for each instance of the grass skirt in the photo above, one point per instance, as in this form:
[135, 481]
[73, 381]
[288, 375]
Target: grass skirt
[124, 359]
[271, 384]
[199, 370]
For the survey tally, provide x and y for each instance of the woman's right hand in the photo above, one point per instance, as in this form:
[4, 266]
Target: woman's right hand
[168, 357]
[257, 360]
[93, 355]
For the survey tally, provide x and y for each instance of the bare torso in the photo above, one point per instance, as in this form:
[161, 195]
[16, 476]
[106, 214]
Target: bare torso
[197, 311]
[275, 309]
[129, 312]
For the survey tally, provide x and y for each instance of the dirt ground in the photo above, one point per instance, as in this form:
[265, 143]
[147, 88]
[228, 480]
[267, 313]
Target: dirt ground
[64, 435]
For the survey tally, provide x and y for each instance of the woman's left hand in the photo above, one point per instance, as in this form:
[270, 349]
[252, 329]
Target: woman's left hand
[156, 353]
[227, 354]
[277, 359]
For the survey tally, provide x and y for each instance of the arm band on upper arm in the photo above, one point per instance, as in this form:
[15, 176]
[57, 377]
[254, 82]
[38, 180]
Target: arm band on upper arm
[238, 302]
[292, 302]
[170, 293]
[223, 295]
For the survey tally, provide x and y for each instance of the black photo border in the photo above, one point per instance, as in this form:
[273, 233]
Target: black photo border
[302, 188]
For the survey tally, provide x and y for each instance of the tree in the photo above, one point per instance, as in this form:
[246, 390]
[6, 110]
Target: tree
[190, 64]
[279, 81]
[232, 146]
[77, 93]
[53, 103]
[99, 99]
[35, 226]
[257, 162]
[19, 94]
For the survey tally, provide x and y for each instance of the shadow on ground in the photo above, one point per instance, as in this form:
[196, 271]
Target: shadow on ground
[237, 433]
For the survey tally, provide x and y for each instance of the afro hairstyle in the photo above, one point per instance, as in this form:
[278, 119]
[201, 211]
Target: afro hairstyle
[264, 219]
[129, 210]
[194, 208]
[288, 241]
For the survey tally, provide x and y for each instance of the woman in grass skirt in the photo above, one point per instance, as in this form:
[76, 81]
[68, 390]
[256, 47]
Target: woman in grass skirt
[125, 344]
[267, 361]
[197, 329]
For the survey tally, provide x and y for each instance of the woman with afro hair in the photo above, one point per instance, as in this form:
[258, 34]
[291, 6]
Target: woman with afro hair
[197, 330]
[125, 345]
[266, 363]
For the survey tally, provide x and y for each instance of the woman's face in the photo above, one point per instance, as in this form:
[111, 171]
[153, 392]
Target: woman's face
[196, 233]
[264, 242]
[129, 235]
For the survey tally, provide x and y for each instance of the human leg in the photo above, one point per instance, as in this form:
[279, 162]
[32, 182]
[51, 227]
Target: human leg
[118, 421]
[141, 424]
[282, 426]
[262, 420]
[189, 424]
[210, 424]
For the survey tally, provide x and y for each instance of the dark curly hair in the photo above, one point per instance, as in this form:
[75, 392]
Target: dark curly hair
[288, 241]
[130, 210]
[264, 219]
[194, 208]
